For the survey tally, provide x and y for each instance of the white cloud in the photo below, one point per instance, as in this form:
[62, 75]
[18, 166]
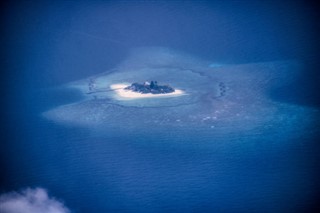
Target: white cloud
[30, 201]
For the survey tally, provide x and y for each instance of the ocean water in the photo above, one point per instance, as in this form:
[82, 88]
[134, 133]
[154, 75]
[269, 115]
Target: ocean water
[168, 170]
[269, 167]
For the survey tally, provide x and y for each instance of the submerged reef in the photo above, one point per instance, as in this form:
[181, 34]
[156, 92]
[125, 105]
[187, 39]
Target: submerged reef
[152, 88]
[230, 99]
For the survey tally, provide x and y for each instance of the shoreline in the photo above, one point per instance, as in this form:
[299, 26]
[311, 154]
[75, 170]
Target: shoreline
[121, 93]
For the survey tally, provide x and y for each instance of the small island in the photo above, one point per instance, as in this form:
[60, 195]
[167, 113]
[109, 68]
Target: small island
[125, 91]
[150, 88]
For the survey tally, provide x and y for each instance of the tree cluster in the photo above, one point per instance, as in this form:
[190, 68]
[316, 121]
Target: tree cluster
[152, 88]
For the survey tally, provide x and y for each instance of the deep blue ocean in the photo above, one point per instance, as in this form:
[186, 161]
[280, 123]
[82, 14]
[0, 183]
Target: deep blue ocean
[49, 44]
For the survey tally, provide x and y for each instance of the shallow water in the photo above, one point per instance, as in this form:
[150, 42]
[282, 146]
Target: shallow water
[206, 152]
[165, 168]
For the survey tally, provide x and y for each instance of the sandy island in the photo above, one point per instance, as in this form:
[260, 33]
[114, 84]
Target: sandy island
[127, 94]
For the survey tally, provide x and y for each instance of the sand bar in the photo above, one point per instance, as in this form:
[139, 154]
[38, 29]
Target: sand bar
[122, 93]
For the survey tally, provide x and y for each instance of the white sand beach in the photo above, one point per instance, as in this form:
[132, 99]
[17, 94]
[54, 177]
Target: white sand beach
[122, 94]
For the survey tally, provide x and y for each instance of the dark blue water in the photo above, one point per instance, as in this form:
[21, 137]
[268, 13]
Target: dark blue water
[180, 172]
[171, 170]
